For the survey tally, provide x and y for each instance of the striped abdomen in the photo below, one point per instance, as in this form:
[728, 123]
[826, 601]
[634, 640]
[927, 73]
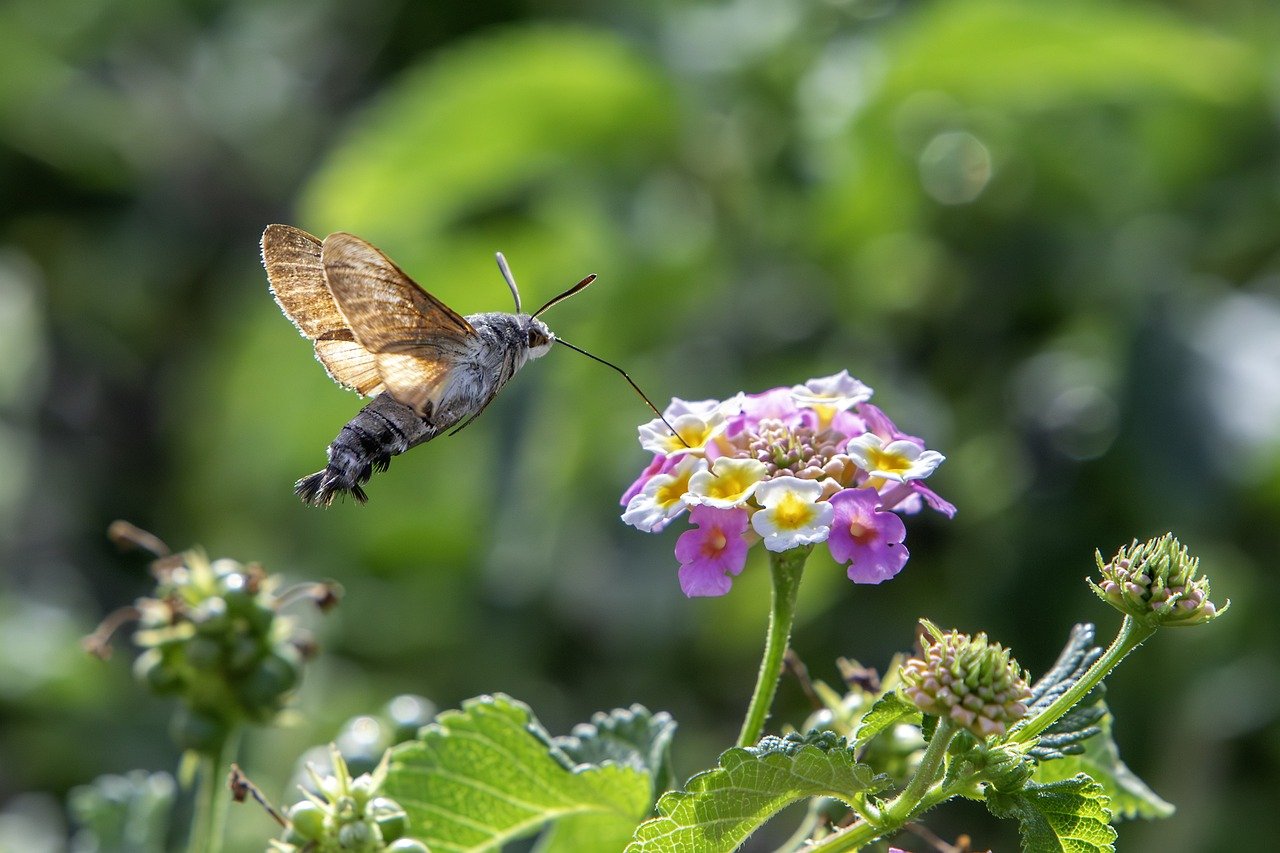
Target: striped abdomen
[378, 431]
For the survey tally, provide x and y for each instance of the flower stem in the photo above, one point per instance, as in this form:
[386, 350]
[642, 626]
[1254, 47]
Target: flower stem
[922, 793]
[1131, 635]
[212, 796]
[931, 765]
[788, 567]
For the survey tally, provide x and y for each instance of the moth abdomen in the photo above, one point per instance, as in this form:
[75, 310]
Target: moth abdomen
[364, 446]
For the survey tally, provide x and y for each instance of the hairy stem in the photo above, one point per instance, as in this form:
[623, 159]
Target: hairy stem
[788, 567]
[1130, 636]
[922, 793]
[906, 804]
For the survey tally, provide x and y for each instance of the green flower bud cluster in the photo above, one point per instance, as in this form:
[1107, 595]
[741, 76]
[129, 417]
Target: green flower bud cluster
[214, 637]
[1155, 582]
[968, 680]
[348, 815]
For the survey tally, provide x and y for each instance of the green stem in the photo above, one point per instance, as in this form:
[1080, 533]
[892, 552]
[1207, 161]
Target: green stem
[1131, 635]
[906, 804]
[213, 796]
[862, 833]
[788, 567]
[922, 793]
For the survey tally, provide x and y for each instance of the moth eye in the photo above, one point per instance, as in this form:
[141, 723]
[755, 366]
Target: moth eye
[535, 338]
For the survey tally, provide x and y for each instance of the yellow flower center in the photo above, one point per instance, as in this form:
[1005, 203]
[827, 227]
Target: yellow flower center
[792, 513]
[730, 484]
[893, 463]
[671, 492]
[826, 414]
[689, 436]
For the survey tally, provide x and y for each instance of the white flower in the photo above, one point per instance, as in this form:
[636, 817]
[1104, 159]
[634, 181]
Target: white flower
[661, 498]
[840, 392]
[899, 460]
[792, 515]
[730, 482]
[695, 423]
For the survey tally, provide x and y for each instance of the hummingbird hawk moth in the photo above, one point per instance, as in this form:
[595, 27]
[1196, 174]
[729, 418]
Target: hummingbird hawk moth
[376, 332]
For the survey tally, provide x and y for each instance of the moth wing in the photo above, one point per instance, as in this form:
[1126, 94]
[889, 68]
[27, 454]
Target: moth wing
[415, 338]
[297, 283]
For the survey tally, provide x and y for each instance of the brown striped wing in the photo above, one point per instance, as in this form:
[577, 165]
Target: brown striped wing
[415, 338]
[296, 275]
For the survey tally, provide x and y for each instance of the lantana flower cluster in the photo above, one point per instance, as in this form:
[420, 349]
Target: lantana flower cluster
[789, 468]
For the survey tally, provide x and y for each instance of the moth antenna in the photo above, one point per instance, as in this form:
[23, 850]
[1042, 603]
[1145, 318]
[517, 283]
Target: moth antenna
[511, 279]
[625, 376]
[570, 292]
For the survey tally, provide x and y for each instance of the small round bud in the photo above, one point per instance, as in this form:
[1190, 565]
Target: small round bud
[265, 685]
[390, 818]
[406, 845]
[307, 819]
[1155, 582]
[968, 680]
[355, 835]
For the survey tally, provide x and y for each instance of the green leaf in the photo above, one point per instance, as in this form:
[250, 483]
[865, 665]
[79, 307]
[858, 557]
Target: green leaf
[720, 808]
[1130, 796]
[632, 737]
[887, 710]
[477, 778]
[1070, 816]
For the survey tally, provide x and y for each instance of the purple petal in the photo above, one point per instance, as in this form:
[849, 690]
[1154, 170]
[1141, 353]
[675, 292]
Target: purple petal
[701, 580]
[933, 499]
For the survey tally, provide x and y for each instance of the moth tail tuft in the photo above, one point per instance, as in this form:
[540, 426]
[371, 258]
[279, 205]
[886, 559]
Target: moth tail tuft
[320, 488]
[312, 489]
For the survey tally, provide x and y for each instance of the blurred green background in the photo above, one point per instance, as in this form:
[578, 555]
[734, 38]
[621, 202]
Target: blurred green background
[1047, 234]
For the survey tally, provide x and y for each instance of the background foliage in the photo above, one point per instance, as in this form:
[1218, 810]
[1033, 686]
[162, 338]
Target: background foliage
[1045, 232]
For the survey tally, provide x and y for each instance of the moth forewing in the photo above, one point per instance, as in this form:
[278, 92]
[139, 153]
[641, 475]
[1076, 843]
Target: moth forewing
[297, 282]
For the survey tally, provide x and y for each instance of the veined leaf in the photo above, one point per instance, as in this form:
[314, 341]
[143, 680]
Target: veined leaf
[887, 710]
[720, 808]
[1070, 816]
[632, 737]
[480, 777]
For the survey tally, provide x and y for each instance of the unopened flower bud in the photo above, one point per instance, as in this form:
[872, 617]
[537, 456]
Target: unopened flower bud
[1155, 582]
[347, 814]
[968, 680]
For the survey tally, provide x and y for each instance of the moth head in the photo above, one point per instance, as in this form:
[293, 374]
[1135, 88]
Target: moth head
[538, 337]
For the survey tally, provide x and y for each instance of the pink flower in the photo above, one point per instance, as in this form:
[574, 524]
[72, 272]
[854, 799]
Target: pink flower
[713, 551]
[866, 537]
